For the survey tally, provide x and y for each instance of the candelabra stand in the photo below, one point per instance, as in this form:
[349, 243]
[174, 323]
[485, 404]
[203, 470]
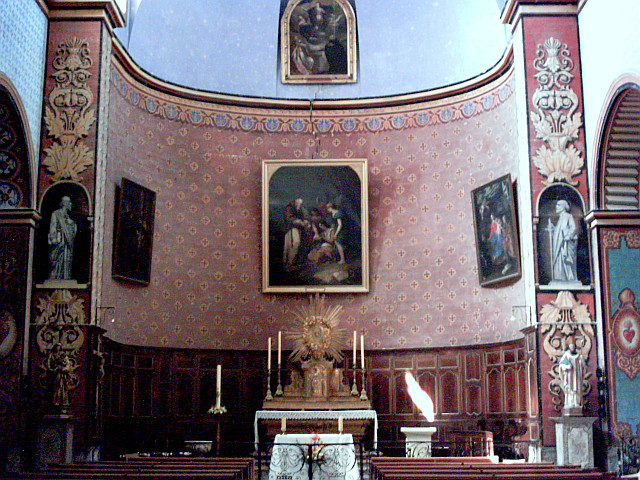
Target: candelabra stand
[354, 387]
[279, 387]
[268, 396]
[363, 392]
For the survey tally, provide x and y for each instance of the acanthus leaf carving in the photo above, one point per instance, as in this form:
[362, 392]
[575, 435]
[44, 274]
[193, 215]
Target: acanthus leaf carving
[556, 122]
[68, 116]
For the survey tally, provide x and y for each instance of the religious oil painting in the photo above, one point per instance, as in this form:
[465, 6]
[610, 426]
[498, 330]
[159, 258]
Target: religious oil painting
[496, 232]
[314, 226]
[318, 42]
[133, 239]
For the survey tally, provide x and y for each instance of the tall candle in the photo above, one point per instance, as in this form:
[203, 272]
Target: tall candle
[340, 425]
[283, 424]
[355, 343]
[269, 353]
[362, 351]
[279, 347]
[218, 384]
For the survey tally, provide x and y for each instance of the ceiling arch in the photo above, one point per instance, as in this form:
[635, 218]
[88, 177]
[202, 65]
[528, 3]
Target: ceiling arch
[232, 47]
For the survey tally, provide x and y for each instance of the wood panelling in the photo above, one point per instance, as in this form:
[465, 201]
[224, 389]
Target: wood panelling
[161, 395]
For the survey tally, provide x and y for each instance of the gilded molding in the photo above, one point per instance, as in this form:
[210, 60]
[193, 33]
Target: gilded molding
[559, 319]
[557, 121]
[68, 116]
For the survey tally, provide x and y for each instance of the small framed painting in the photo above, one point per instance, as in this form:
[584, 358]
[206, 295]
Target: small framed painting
[318, 42]
[496, 232]
[315, 226]
[133, 238]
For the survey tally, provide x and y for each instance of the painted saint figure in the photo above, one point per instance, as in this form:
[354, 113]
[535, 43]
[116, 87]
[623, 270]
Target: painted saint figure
[339, 232]
[62, 234]
[564, 244]
[572, 368]
[296, 224]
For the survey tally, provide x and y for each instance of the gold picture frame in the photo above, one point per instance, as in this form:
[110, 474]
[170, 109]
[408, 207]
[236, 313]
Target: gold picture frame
[315, 226]
[318, 42]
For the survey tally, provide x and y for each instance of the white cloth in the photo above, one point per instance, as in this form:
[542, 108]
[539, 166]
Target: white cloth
[333, 457]
[317, 415]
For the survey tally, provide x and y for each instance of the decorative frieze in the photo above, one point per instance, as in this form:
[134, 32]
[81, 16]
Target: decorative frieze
[69, 116]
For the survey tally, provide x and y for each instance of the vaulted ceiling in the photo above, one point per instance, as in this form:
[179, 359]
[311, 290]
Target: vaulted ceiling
[232, 47]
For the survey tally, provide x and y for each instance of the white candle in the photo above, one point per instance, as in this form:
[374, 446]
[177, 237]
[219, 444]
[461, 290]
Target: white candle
[355, 343]
[340, 425]
[269, 353]
[283, 425]
[362, 351]
[279, 347]
[218, 384]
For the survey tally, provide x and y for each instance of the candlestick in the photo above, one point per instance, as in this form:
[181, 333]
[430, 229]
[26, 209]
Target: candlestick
[283, 425]
[279, 347]
[218, 385]
[355, 343]
[269, 353]
[362, 351]
[354, 387]
[340, 425]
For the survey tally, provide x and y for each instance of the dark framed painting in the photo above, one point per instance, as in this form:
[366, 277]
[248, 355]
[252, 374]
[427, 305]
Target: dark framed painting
[496, 232]
[315, 226]
[318, 42]
[133, 238]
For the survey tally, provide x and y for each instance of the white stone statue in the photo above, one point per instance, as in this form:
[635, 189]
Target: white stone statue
[572, 368]
[62, 234]
[564, 244]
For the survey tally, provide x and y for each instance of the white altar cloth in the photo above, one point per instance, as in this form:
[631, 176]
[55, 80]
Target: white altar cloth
[317, 415]
[333, 457]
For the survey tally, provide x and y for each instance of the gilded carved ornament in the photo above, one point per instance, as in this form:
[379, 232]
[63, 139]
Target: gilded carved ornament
[556, 122]
[560, 319]
[68, 116]
[59, 338]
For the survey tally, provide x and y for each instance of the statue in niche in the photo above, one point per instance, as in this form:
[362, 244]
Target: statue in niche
[572, 368]
[61, 238]
[564, 244]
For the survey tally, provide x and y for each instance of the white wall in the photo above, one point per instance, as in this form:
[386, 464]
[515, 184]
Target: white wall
[610, 49]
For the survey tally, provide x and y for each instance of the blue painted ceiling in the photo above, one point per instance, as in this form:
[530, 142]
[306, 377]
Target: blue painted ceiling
[232, 46]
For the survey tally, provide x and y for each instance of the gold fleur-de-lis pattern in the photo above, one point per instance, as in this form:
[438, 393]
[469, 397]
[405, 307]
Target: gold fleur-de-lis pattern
[204, 163]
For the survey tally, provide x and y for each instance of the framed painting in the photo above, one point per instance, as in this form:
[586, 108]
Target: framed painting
[318, 42]
[133, 237]
[496, 232]
[315, 226]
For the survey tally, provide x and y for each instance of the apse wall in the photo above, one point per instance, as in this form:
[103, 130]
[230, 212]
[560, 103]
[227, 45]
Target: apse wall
[203, 160]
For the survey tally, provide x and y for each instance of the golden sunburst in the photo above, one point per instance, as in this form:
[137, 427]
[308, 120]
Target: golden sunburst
[316, 333]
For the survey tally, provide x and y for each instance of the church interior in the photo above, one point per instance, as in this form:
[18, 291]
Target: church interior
[226, 226]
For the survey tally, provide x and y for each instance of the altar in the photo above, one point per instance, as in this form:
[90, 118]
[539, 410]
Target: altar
[355, 422]
[314, 456]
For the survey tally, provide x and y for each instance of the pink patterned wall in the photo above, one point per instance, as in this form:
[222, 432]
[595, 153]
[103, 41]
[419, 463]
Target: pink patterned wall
[204, 162]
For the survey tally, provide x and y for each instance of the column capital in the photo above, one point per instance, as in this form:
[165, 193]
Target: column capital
[515, 9]
[109, 11]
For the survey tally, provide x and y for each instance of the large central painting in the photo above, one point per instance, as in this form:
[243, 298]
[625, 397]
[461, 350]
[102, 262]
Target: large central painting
[314, 226]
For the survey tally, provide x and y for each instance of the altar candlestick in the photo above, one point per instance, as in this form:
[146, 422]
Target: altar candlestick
[269, 353]
[340, 425]
[362, 351]
[283, 424]
[279, 347]
[218, 384]
[355, 343]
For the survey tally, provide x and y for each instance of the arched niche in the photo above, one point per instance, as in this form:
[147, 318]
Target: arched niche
[79, 214]
[548, 219]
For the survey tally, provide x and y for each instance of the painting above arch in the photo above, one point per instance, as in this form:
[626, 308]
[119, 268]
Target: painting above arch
[318, 42]
[563, 248]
